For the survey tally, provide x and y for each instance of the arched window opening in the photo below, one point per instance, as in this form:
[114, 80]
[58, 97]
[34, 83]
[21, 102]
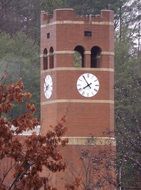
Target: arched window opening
[51, 58]
[78, 59]
[45, 59]
[95, 56]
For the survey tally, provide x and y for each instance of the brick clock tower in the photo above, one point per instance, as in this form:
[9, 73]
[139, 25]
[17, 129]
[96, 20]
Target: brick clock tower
[77, 76]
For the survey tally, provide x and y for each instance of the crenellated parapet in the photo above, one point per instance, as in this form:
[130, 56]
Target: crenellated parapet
[67, 14]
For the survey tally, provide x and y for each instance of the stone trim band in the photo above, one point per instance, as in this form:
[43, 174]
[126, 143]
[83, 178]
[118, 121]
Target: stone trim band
[72, 52]
[78, 69]
[91, 141]
[77, 101]
[77, 22]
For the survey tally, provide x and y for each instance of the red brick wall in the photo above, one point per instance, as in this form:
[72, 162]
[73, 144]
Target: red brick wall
[84, 116]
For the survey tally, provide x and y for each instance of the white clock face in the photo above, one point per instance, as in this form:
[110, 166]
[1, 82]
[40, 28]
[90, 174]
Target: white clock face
[88, 85]
[48, 86]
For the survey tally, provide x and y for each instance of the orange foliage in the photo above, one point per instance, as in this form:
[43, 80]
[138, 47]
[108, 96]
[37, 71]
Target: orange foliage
[32, 153]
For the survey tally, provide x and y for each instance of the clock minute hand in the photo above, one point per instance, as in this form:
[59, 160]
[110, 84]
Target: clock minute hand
[87, 82]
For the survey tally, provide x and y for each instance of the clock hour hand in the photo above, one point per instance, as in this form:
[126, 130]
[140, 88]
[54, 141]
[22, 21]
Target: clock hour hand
[87, 83]
[47, 87]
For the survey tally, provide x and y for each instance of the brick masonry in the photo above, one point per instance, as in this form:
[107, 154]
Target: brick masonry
[84, 116]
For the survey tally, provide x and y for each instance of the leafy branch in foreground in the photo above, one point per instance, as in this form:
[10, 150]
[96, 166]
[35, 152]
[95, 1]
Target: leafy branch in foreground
[26, 156]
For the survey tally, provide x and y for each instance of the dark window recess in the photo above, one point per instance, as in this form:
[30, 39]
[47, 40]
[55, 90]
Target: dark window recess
[48, 35]
[51, 58]
[87, 33]
[95, 56]
[79, 56]
[45, 59]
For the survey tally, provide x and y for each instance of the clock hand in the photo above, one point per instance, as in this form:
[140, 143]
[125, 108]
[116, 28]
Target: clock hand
[85, 79]
[87, 82]
[88, 85]
[47, 86]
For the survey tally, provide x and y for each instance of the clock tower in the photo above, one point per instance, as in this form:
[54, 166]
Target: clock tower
[77, 76]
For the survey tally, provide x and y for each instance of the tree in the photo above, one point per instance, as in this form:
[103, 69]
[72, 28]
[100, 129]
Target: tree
[128, 16]
[19, 58]
[50, 5]
[27, 155]
[17, 16]
[95, 166]
[127, 93]
[81, 6]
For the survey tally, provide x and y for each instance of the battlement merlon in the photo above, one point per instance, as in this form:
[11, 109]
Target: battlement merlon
[69, 14]
[44, 17]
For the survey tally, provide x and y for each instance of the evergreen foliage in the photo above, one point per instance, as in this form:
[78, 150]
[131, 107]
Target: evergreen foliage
[19, 59]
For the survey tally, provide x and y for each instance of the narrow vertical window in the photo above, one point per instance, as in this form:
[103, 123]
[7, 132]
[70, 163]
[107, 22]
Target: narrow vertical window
[45, 59]
[51, 58]
[78, 59]
[95, 56]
